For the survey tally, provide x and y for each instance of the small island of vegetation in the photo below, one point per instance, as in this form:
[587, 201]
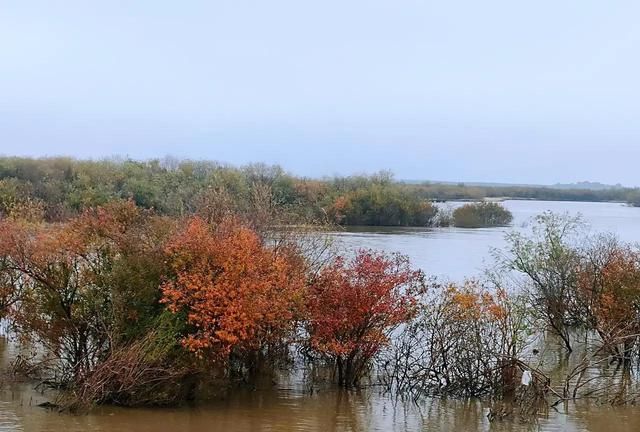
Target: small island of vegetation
[480, 215]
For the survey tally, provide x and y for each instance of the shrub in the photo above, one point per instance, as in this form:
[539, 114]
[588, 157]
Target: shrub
[463, 343]
[83, 288]
[238, 294]
[353, 306]
[483, 214]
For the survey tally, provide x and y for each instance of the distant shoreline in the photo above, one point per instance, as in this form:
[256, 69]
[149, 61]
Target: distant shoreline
[57, 189]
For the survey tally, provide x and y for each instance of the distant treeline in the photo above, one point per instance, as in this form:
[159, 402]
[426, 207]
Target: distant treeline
[60, 188]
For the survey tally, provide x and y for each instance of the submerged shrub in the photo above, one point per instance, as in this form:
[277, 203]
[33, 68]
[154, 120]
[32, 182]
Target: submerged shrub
[483, 214]
[464, 342]
[85, 287]
[149, 371]
[634, 198]
[608, 294]
[546, 260]
[238, 295]
[353, 306]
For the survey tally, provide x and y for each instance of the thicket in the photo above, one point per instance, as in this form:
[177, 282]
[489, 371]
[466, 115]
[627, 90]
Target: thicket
[129, 307]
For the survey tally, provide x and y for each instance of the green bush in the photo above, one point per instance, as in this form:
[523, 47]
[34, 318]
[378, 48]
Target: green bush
[634, 198]
[482, 214]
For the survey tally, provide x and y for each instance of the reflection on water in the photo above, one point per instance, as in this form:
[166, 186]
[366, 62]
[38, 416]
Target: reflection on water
[289, 406]
[290, 410]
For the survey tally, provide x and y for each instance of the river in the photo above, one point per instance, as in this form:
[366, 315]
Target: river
[457, 253]
[289, 405]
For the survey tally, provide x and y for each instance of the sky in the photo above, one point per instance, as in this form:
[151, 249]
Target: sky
[462, 90]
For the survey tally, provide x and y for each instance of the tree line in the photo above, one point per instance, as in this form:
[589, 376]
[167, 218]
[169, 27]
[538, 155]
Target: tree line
[59, 188]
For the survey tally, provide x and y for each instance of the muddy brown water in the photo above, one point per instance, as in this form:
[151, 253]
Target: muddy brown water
[290, 406]
[290, 409]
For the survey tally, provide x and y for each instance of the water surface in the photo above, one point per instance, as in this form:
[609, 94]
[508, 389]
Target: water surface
[456, 253]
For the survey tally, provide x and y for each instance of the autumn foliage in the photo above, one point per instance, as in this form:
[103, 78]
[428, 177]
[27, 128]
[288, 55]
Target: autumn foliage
[237, 293]
[134, 308]
[82, 288]
[352, 307]
[612, 289]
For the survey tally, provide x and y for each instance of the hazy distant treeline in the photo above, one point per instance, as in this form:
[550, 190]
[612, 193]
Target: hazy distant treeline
[61, 187]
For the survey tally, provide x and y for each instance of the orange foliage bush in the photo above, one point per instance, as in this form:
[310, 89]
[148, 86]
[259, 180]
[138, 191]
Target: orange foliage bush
[471, 301]
[237, 293]
[613, 291]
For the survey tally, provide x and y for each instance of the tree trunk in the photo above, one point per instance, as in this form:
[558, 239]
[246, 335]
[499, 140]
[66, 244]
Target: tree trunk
[340, 364]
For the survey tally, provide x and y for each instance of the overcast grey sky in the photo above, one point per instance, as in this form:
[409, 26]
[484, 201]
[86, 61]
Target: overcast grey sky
[530, 92]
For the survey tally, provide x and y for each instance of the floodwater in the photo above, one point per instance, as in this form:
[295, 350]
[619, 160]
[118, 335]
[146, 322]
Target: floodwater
[290, 405]
[457, 253]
